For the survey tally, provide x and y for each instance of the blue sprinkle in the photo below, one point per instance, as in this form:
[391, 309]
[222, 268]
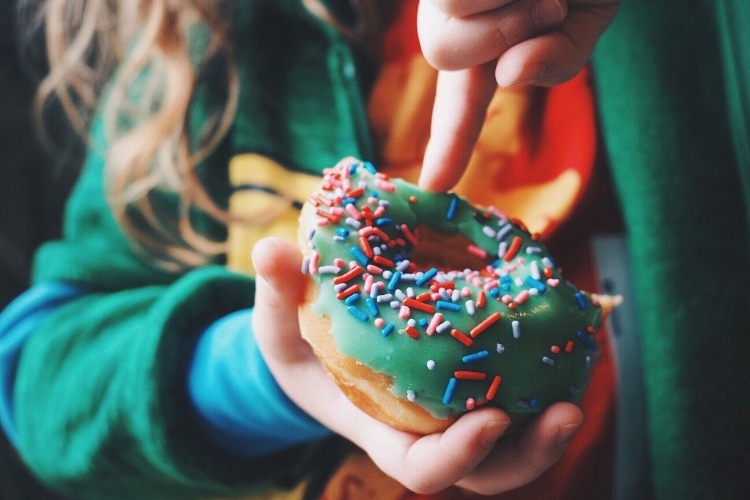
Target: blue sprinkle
[387, 329]
[502, 233]
[353, 167]
[359, 255]
[393, 283]
[372, 306]
[450, 214]
[384, 221]
[449, 390]
[548, 361]
[536, 284]
[343, 232]
[427, 276]
[447, 306]
[534, 403]
[357, 313]
[374, 194]
[352, 299]
[477, 356]
[424, 322]
[370, 167]
[348, 201]
[494, 293]
[581, 301]
[586, 341]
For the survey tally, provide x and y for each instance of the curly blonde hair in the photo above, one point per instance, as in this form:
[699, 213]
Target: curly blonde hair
[144, 47]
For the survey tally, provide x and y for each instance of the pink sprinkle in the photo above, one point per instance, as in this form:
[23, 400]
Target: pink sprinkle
[339, 262]
[553, 282]
[385, 185]
[353, 212]
[371, 268]
[404, 312]
[466, 292]
[369, 280]
[314, 262]
[379, 322]
[321, 222]
[434, 322]
[521, 297]
[507, 299]
[471, 404]
[476, 251]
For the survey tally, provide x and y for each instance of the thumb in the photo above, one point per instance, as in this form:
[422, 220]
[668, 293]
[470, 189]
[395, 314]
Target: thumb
[280, 287]
[461, 102]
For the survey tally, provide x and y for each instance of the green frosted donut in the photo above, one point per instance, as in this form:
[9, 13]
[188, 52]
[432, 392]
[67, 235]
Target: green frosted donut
[460, 307]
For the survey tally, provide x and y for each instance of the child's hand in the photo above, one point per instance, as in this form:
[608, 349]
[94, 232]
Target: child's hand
[470, 453]
[479, 44]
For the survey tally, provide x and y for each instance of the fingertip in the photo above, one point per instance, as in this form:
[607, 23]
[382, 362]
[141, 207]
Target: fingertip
[277, 265]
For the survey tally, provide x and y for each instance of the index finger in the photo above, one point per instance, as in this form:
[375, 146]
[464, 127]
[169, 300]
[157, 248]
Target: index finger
[461, 101]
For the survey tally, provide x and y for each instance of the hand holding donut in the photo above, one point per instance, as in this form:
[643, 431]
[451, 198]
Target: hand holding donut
[479, 44]
[469, 453]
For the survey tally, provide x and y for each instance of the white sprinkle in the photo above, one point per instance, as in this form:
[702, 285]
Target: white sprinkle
[431, 364]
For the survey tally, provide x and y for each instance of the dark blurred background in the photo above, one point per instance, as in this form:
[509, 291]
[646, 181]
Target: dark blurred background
[34, 183]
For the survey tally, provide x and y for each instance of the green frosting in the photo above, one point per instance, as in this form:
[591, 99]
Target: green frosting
[508, 332]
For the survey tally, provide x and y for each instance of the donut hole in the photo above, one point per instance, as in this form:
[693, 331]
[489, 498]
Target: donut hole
[446, 252]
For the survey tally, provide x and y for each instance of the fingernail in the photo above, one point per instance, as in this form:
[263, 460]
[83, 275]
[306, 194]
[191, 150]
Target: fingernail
[566, 432]
[529, 73]
[492, 431]
[548, 13]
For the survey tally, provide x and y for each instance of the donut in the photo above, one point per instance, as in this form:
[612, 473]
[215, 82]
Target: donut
[422, 307]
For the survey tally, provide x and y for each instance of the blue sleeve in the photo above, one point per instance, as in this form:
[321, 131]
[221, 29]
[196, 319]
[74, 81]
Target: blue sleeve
[244, 409]
[17, 322]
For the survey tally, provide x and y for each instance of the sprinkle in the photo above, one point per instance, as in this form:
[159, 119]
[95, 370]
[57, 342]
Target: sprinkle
[404, 312]
[461, 337]
[521, 297]
[387, 330]
[534, 270]
[348, 276]
[477, 356]
[447, 306]
[553, 282]
[569, 346]
[434, 322]
[352, 222]
[503, 232]
[352, 299]
[469, 375]
[305, 265]
[408, 234]
[494, 386]
[373, 269]
[471, 308]
[420, 306]
[357, 313]
[411, 395]
[476, 251]
[385, 185]
[515, 245]
[431, 364]
[500, 348]
[427, 276]
[393, 283]
[548, 361]
[450, 214]
[470, 404]
[386, 297]
[364, 244]
[485, 324]
[481, 299]
[359, 255]
[449, 391]
[412, 332]
[382, 261]
[587, 342]
[348, 291]
[489, 232]
[516, 327]
[580, 301]
[372, 307]
[445, 325]
[314, 261]
[533, 282]
[379, 322]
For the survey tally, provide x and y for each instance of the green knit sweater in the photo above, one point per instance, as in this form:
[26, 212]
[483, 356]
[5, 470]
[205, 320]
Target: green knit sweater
[673, 84]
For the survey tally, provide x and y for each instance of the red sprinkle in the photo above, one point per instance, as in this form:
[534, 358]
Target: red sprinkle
[461, 337]
[494, 386]
[481, 299]
[349, 291]
[569, 346]
[515, 245]
[348, 276]
[379, 259]
[486, 323]
[420, 306]
[469, 375]
[412, 332]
